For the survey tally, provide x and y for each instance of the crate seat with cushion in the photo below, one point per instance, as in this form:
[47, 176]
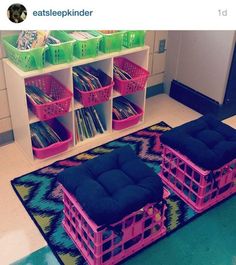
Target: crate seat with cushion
[199, 161]
[112, 185]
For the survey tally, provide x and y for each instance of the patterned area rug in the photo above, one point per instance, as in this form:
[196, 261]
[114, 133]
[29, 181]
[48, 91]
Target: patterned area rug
[42, 198]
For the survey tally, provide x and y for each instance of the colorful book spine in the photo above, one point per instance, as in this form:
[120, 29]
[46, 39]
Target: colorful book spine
[88, 123]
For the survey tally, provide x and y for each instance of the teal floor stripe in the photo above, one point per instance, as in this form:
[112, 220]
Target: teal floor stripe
[43, 256]
[208, 240]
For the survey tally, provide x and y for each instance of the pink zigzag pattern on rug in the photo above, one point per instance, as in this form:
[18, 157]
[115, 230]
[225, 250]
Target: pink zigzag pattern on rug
[157, 146]
[144, 149]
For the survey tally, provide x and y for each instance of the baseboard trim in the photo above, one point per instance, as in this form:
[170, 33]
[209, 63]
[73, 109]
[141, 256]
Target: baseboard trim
[193, 99]
[6, 137]
[155, 90]
[199, 102]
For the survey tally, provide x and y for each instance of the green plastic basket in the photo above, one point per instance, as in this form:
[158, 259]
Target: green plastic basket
[26, 60]
[134, 38]
[63, 52]
[111, 42]
[86, 48]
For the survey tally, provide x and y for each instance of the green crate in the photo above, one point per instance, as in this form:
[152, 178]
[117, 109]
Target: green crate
[134, 38]
[26, 60]
[111, 42]
[86, 48]
[62, 52]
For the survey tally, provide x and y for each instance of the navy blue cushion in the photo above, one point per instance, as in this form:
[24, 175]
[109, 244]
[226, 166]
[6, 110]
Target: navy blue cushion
[112, 185]
[208, 142]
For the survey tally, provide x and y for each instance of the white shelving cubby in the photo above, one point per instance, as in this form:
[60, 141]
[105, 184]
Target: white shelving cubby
[22, 117]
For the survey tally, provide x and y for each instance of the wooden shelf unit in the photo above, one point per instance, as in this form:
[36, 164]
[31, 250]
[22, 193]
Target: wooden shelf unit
[22, 117]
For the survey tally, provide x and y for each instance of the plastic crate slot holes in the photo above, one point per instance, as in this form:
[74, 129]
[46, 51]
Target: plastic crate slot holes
[197, 187]
[107, 247]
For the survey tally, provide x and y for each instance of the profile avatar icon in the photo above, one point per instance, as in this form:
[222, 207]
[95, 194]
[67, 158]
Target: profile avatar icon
[17, 13]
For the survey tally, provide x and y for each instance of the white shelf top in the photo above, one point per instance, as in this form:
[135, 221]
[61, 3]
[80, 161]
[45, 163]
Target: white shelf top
[52, 68]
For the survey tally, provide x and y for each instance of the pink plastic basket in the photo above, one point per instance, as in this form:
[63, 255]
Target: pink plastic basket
[139, 77]
[94, 97]
[58, 147]
[131, 121]
[54, 89]
[199, 188]
[106, 245]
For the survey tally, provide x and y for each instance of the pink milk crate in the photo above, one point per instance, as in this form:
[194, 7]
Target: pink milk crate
[128, 122]
[139, 77]
[94, 97]
[52, 87]
[56, 148]
[108, 245]
[199, 188]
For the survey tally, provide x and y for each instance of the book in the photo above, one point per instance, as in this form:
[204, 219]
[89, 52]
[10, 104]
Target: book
[88, 123]
[121, 74]
[96, 118]
[42, 135]
[87, 78]
[37, 95]
[83, 125]
[87, 127]
[81, 35]
[80, 129]
[90, 79]
[122, 108]
[52, 40]
[29, 39]
[90, 119]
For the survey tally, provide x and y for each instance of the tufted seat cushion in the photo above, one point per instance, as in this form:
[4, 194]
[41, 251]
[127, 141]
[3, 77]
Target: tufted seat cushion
[112, 185]
[207, 142]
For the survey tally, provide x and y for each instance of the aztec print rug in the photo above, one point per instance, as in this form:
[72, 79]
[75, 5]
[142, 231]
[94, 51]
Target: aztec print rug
[41, 195]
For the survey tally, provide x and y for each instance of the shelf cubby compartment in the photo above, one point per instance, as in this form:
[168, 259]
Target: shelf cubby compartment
[121, 124]
[138, 75]
[54, 89]
[58, 147]
[99, 95]
[92, 122]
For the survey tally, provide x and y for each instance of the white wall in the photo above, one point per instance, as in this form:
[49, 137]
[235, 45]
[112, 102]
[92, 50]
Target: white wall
[156, 60]
[200, 60]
